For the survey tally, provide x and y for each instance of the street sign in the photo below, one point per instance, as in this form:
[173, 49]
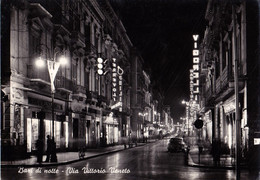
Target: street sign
[198, 123]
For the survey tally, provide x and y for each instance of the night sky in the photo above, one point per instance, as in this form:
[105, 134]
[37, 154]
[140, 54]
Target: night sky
[162, 31]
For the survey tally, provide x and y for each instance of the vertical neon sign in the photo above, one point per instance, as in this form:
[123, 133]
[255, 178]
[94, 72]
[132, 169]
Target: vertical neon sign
[120, 72]
[114, 80]
[196, 68]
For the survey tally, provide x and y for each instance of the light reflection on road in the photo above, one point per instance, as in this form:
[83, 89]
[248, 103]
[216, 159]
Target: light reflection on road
[147, 162]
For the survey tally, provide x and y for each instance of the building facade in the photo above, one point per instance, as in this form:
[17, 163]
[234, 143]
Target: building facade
[88, 109]
[231, 38]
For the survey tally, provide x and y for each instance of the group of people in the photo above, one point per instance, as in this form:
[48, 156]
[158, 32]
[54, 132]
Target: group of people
[51, 150]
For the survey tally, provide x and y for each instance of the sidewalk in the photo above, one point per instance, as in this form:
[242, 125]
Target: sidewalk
[205, 159]
[68, 157]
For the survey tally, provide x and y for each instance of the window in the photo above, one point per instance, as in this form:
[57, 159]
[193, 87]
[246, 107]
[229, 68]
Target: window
[224, 55]
[86, 79]
[74, 71]
[217, 66]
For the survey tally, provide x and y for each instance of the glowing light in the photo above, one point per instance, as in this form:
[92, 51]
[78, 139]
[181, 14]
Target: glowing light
[39, 62]
[63, 60]
[99, 60]
[100, 66]
[100, 71]
[229, 136]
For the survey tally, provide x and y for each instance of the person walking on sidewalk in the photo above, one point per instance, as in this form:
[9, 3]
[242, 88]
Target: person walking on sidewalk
[53, 151]
[216, 152]
[49, 145]
[39, 146]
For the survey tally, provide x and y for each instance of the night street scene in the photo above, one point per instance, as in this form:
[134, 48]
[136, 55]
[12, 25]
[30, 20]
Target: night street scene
[130, 89]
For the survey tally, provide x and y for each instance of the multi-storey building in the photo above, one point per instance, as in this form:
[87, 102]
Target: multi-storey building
[147, 106]
[231, 37]
[81, 111]
[137, 96]
[116, 38]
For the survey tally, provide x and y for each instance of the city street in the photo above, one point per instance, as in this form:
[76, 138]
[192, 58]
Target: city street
[95, 89]
[145, 162]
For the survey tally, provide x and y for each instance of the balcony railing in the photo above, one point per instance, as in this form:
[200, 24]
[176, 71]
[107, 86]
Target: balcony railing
[218, 85]
[209, 93]
[223, 81]
[79, 89]
[102, 99]
[224, 78]
[78, 36]
[90, 48]
[35, 73]
[63, 83]
[91, 96]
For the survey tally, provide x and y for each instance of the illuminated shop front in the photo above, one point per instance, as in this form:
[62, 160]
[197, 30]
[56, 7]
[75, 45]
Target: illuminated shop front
[110, 129]
[34, 127]
[208, 126]
[33, 132]
[90, 130]
[229, 126]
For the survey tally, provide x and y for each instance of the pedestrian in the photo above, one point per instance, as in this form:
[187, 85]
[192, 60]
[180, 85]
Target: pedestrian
[39, 146]
[49, 145]
[216, 152]
[53, 151]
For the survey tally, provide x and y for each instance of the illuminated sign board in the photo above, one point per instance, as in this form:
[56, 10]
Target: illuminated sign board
[114, 80]
[117, 85]
[195, 68]
[191, 84]
[120, 72]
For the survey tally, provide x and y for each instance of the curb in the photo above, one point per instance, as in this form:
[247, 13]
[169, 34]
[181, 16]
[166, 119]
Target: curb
[70, 161]
[192, 164]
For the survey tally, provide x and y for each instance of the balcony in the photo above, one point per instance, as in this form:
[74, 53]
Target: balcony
[224, 78]
[218, 85]
[78, 89]
[63, 83]
[208, 93]
[91, 97]
[222, 81]
[90, 49]
[79, 37]
[38, 73]
[39, 79]
[102, 101]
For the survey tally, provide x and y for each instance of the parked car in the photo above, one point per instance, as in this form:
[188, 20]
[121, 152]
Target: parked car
[176, 145]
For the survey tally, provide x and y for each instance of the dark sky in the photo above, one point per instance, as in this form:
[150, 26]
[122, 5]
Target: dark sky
[162, 31]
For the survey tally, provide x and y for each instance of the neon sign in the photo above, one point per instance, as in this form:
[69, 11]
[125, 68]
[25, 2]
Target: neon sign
[114, 80]
[117, 85]
[120, 72]
[195, 68]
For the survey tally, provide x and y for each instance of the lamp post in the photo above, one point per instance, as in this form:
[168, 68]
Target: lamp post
[187, 108]
[53, 67]
[143, 115]
[236, 87]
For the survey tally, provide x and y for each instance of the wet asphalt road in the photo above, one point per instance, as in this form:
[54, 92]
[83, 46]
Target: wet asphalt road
[145, 162]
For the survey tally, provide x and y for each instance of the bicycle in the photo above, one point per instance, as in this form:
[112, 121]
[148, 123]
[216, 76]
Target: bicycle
[82, 152]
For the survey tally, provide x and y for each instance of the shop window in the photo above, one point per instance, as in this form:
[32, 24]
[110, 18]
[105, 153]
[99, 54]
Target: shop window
[66, 131]
[32, 133]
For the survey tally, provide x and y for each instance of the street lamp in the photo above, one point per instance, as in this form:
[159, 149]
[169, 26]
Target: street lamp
[143, 115]
[188, 108]
[53, 67]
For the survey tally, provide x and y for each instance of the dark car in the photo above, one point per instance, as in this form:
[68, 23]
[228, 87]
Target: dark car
[176, 145]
